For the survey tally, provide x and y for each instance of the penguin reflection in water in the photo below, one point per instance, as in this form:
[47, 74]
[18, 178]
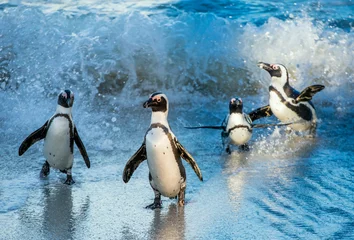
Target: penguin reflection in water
[287, 104]
[163, 153]
[59, 134]
[238, 126]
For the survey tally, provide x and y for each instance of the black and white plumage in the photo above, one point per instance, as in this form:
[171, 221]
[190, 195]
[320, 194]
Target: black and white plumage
[287, 104]
[163, 153]
[238, 126]
[59, 134]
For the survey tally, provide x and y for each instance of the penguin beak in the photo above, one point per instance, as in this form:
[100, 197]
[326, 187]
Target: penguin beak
[236, 101]
[69, 101]
[235, 105]
[265, 66]
[148, 103]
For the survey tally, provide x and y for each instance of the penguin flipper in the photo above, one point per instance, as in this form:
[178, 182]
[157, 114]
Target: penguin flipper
[189, 159]
[81, 147]
[260, 112]
[270, 125]
[224, 122]
[224, 133]
[134, 162]
[209, 127]
[37, 135]
[308, 93]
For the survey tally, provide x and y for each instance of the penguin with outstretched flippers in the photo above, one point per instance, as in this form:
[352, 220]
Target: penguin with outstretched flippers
[59, 134]
[238, 126]
[163, 153]
[289, 105]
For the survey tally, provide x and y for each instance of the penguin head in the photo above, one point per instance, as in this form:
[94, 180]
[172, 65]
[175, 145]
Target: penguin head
[158, 102]
[236, 105]
[66, 99]
[278, 72]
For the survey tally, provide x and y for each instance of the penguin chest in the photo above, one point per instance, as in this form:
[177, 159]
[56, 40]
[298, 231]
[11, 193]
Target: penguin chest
[58, 144]
[163, 163]
[240, 131]
[280, 109]
[286, 111]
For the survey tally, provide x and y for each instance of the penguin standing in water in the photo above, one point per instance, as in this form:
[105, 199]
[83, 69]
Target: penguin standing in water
[59, 134]
[238, 126]
[287, 104]
[163, 153]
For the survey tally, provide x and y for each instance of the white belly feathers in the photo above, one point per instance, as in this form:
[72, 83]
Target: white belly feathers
[57, 144]
[286, 115]
[163, 167]
[239, 134]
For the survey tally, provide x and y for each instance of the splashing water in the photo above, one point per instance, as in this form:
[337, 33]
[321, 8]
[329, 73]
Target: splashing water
[200, 53]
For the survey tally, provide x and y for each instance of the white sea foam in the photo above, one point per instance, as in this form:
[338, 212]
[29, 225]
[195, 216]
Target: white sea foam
[285, 185]
[133, 53]
[313, 53]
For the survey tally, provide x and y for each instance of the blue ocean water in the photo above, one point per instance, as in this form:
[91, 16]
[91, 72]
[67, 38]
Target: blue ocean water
[200, 53]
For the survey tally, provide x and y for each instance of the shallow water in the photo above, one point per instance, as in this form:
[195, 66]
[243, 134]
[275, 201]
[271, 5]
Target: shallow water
[286, 186]
[113, 56]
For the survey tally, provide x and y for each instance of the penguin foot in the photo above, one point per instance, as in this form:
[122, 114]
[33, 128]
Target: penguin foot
[181, 194]
[181, 201]
[244, 147]
[69, 180]
[157, 201]
[312, 132]
[45, 170]
[228, 149]
[156, 204]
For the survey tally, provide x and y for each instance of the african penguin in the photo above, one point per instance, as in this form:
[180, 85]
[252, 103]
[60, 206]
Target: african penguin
[287, 104]
[59, 134]
[238, 129]
[238, 126]
[163, 153]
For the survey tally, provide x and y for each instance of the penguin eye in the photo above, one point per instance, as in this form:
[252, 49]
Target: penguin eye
[158, 99]
[275, 67]
[64, 95]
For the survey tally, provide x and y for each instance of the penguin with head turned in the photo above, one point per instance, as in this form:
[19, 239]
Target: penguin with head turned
[59, 134]
[287, 104]
[163, 153]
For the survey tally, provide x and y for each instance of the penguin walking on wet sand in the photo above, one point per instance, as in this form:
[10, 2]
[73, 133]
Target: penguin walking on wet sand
[238, 126]
[163, 153]
[287, 104]
[59, 134]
